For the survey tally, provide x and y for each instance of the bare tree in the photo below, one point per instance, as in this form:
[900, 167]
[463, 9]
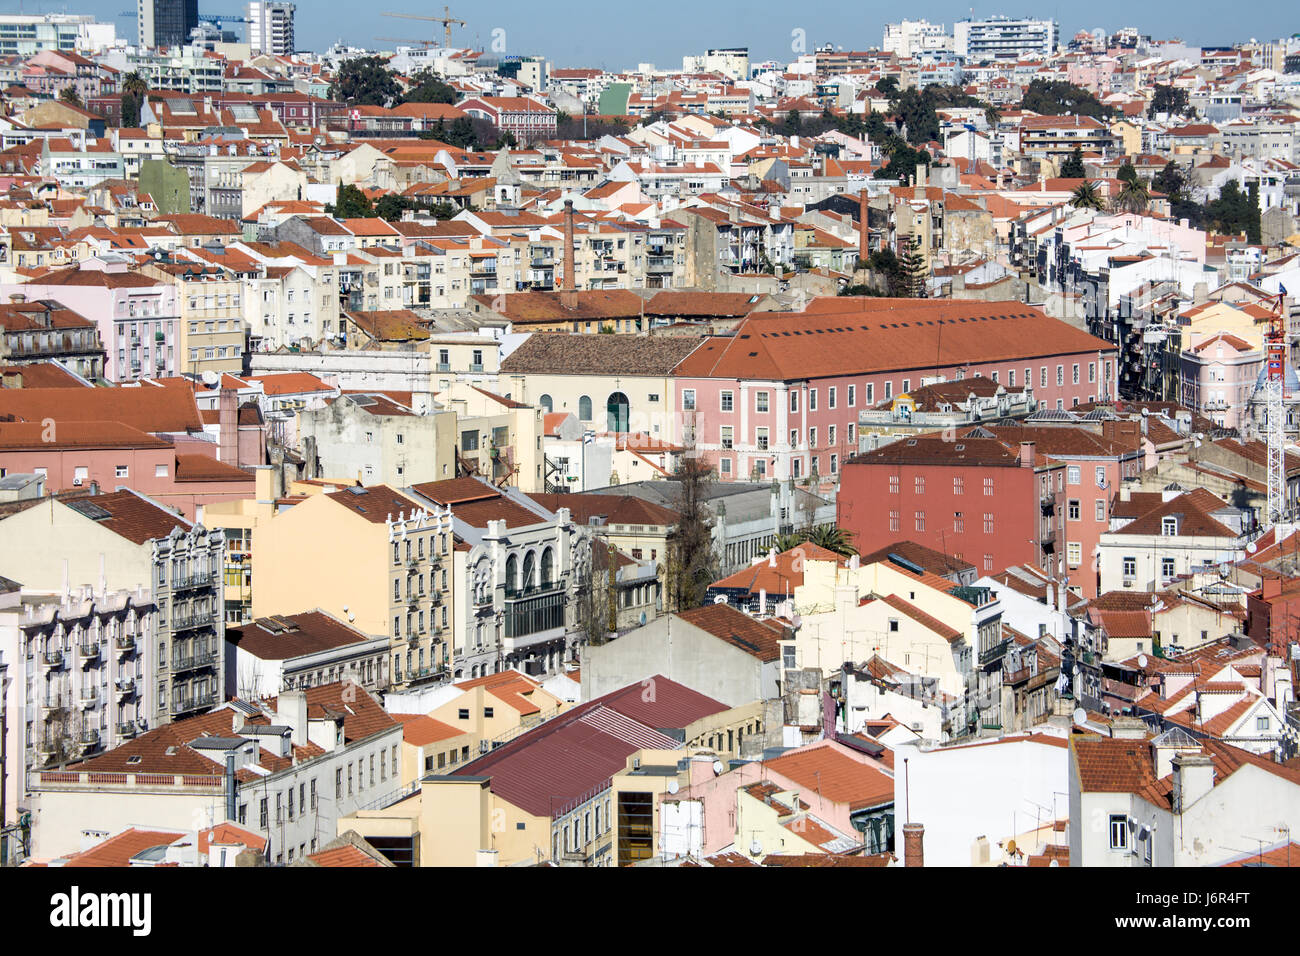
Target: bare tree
[691, 565]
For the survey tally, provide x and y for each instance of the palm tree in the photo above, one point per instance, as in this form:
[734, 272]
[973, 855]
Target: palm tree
[831, 538]
[133, 84]
[1087, 197]
[784, 542]
[1133, 196]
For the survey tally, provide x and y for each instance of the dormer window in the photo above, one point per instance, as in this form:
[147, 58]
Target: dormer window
[1169, 527]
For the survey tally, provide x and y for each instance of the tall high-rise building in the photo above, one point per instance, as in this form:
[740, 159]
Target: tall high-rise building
[166, 22]
[1004, 38]
[270, 27]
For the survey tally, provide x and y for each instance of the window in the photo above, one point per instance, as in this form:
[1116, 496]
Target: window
[726, 436]
[728, 402]
[835, 464]
[688, 399]
[988, 523]
[1075, 374]
[1042, 377]
[1118, 832]
[920, 520]
[794, 401]
[958, 485]
[988, 487]
[1072, 509]
[871, 392]
[1130, 569]
[760, 438]
[1099, 476]
[1167, 571]
[853, 396]
[1011, 378]
[889, 390]
[1169, 527]
[1060, 375]
[1073, 475]
[121, 471]
[830, 397]
[1261, 723]
[1092, 371]
[958, 523]
[469, 440]
[1074, 553]
[920, 484]
[760, 401]
[812, 399]
[584, 408]
[893, 484]
[812, 439]
[907, 385]
[893, 521]
[1101, 509]
[487, 712]
[725, 466]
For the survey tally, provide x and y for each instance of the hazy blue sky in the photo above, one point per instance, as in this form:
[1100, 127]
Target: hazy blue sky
[613, 34]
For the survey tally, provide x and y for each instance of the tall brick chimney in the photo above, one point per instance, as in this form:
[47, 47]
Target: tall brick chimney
[228, 425]
[913, 844]
[569, 266]
[863, 235]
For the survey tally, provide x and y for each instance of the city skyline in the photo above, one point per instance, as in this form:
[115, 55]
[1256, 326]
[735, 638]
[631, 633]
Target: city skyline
[317, 27]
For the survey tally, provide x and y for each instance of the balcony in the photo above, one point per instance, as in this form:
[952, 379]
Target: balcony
[53, 658]
[192, 621]
[444, 366]
[184, 703]
[124, 644]
[1049, 540]
[126, 730]
[126, 686]
[194, 661]
[659, 264]
[88, 737]
[88, 696]
[200, 579]
[89, 652]
[476, 366]
[1047, 504]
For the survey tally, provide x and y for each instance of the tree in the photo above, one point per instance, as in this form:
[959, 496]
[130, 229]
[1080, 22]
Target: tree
[887, 86]
[1087, 197]
[915, 270]
[134, 91]
[1058, 98]
[1169, 99]
[691, 563]
[1170, 181]
[903, 160]
[70, 96]
[827, 536]
[390, 206]
[1127, 173]
[1133, 196]
[597, 609]
[1072, 168]
[351, 203]
[366, 81]
[428, 87]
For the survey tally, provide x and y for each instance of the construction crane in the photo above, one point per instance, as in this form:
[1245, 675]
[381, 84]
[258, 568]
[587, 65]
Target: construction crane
[424, 43]
[1275, 396]
[446, 20]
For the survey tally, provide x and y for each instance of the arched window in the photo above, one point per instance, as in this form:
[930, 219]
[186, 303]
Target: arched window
[512, 573]
[584, 408]
[617, 409]
[547, 405]
[548, 566]
[530, 569]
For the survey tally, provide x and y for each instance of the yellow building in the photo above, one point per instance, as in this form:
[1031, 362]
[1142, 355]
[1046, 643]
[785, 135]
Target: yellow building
[499, 437]
[213, 334]
[371, 557]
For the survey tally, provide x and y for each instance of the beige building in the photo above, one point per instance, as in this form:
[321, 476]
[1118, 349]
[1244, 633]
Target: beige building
[375, 439]
[497, 438]
[213, 335]
[372, 557]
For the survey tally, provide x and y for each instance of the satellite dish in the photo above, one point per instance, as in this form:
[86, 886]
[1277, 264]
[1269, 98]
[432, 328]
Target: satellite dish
[1080, 716]
[717, 768]
[755, 848]
[1142, 661]
[210, 378]
[673, 786]
[1250, 548]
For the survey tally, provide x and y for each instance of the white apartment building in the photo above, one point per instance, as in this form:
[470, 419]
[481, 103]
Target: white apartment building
[270, 28]
[913, 39]
[1005, 38]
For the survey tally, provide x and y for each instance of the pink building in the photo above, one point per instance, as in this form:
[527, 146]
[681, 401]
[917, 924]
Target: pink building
[137, 316]
[781, 398]
[1217, 378]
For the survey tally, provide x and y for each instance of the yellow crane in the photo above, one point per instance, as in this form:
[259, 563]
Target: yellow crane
[446, 20]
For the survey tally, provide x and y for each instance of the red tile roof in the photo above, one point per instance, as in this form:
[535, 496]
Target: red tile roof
[758, 638]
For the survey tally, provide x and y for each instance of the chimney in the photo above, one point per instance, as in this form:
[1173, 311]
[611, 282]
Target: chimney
[569, 265]
[1193, 779]
[291, 708]
[1027, 454]
[1272, 588]
[17, 298]
[228, 425]
[863, 232]
[1125, 493]
[913, 844]
[1128, 728]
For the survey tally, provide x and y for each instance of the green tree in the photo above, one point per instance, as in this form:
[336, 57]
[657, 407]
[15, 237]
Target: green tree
[887, 86]
[1133, 196]
[1072, 168]
[1169, 99]
[70, 96]
[351, 203]
[134, 91]
[1171, 181]
[1087, 197]
[1127, 173]
[428, 87]
[390, 206]
[1058, 98]
[903, 160]
[692, 566]
[366, 81]
[915, 270]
